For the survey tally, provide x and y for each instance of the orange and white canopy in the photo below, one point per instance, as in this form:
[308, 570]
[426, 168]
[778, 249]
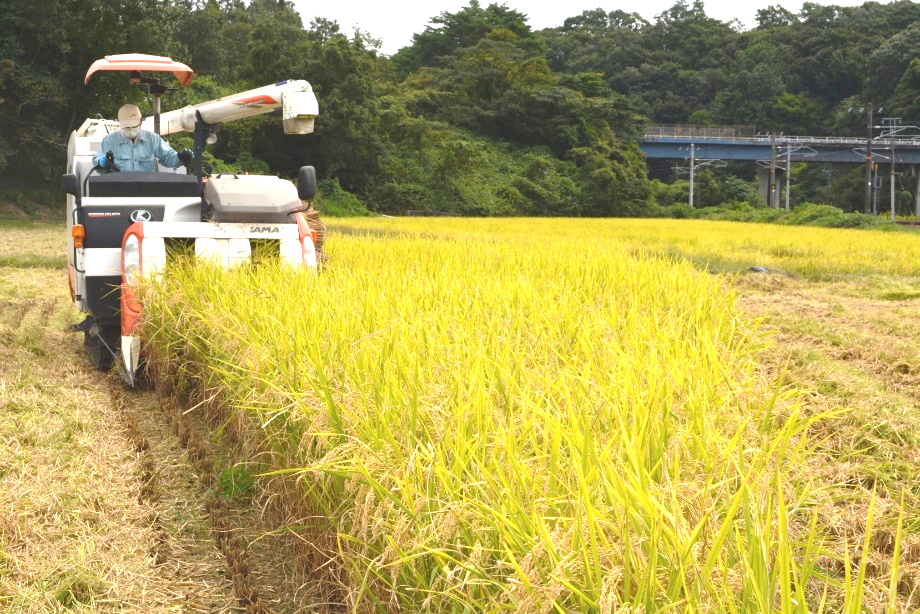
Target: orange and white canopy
[142, 62]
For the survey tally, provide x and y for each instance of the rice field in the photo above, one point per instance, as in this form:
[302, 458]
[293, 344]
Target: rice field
[721, 246]
[528, 415]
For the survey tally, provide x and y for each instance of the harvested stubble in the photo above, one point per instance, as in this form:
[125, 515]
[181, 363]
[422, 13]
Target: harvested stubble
[528, 424]
[74, 536]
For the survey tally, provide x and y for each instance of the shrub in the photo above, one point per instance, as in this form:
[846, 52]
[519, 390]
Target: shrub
[828, 216]
[335, 201]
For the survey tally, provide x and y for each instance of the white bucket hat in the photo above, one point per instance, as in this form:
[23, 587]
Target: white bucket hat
[129, 116]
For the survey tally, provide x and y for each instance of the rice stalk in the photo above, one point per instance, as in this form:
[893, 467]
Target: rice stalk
[558, 427]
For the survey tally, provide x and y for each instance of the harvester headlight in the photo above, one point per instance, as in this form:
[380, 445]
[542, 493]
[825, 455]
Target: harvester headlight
[132, 259]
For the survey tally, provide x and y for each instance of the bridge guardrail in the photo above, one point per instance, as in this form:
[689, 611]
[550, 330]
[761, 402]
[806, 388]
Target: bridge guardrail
[695, 131]
[726, 135]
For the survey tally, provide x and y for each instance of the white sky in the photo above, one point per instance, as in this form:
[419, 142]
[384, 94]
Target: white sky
[396, 22]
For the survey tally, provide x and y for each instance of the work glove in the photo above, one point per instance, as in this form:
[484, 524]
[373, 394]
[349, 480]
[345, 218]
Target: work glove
[186, 156]
[102, 162]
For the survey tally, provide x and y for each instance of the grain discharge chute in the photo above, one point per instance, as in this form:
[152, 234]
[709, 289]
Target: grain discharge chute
[125, 225]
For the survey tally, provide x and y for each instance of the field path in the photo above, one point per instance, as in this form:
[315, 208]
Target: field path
[853, 344]
[101, 506]
[98, 506]
[104, 505]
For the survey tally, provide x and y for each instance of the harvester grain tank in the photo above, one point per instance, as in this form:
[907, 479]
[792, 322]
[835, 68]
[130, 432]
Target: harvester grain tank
[122, 226]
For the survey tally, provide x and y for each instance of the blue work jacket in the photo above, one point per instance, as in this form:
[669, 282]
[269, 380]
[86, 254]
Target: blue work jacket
[141, 155]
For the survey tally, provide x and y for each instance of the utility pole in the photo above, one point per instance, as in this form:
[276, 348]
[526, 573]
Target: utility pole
[773, 202]
[868, 203]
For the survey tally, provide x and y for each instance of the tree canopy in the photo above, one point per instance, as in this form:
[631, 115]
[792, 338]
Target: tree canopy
[480, 114]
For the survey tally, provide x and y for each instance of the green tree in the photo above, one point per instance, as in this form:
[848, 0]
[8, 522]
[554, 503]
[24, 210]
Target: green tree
[276, 43]
[596, 41]
[451, 32]
[795, 113]
[905, 101]
[674, 66]
[690, 37]
[888, 63]
[202, 33]
[774, 16]
[755, 81]
[46, 47]
[347, 141]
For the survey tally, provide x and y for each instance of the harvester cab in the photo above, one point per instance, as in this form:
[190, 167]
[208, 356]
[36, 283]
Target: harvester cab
[123, 226]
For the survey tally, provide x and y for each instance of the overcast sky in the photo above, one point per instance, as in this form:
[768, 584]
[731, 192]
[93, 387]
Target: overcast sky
[396, 22]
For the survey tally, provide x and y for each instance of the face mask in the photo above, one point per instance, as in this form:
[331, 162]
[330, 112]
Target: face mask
[131, 133]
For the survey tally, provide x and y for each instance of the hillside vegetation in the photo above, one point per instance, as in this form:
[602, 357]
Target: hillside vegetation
[480, 115]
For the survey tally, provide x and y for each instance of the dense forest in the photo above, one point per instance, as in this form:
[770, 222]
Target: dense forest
[480, 115]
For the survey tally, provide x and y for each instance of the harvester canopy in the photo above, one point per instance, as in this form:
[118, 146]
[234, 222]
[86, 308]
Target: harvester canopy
[141, 62]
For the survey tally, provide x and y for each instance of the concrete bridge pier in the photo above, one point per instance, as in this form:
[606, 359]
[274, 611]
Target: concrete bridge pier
[763, 185]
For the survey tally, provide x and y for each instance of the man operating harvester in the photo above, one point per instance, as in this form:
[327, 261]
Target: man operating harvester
[136, 149]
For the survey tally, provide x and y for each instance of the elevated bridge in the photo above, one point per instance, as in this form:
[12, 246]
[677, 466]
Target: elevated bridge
[731, 143]
[775, 153]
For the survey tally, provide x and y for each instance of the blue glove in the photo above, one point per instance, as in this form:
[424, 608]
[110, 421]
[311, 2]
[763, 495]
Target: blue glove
[186, 156]
[101, 161]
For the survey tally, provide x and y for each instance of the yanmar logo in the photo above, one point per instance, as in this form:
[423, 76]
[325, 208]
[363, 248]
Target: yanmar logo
[264, 229]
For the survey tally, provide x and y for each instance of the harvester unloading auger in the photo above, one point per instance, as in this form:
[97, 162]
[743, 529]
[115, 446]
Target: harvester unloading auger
[126, 225]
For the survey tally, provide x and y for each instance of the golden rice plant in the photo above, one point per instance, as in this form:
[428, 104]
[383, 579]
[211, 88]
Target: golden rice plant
[536, 418]
[726, 246]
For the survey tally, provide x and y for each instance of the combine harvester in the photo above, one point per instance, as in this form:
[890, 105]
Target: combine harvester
[125, 225]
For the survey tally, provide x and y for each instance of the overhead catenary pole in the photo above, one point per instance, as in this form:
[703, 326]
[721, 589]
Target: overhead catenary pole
[892, 180]
[867, 205]
[788, 173]
[891, 127]
[772, 190]
[875, 189]
[692, 168]
[694, 164]
[917, 197]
